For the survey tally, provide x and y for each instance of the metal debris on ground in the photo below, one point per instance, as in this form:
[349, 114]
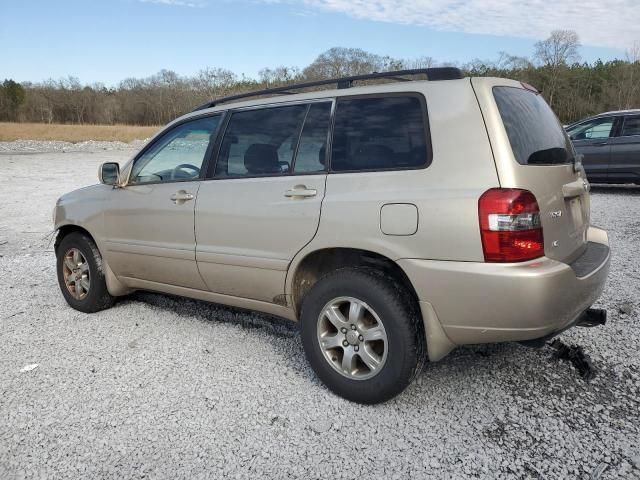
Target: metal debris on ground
[626, 308]
[28, 368]
[598, 471]
[574, 353]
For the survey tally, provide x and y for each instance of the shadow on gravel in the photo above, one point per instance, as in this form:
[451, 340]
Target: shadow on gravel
[626, 190]
[291, 351]
[522, 370]
[213, 312]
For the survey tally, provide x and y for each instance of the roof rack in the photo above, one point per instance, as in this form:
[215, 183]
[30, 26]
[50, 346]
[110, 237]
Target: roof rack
[433, 74]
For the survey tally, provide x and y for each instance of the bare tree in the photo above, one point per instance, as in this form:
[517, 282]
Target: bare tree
[215, 82]
[507, 61]
[419, 62]
[555, 52]
[282, 75]
[560, 48]
[630, 82]
[342, 62]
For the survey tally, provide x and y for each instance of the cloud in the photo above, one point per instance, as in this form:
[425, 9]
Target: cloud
[178, 3]
[614, 23]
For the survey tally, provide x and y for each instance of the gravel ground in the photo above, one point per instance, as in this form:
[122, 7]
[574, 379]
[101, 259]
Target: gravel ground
[163, 387]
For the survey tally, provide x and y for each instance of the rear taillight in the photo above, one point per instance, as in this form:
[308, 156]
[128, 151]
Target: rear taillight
[510, 225]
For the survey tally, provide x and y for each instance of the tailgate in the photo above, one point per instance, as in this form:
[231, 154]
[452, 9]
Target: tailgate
[533, 152]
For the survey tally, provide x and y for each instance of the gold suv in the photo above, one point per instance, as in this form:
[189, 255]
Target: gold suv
[394, 221]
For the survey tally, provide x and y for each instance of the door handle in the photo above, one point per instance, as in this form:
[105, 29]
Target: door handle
[301, 191]
[181, 196]
[602, 144]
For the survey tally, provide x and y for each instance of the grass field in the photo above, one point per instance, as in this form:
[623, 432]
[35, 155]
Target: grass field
[72, 133]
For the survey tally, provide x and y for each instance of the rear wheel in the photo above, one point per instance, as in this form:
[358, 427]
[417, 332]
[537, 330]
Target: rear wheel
[362, 335]
[80, 274]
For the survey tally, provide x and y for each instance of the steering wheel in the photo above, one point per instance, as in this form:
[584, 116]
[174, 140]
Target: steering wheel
[185, 166]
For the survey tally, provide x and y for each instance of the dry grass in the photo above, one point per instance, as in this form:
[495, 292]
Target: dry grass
[73, 133]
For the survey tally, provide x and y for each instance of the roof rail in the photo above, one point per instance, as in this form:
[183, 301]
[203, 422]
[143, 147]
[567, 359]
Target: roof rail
[433, 74]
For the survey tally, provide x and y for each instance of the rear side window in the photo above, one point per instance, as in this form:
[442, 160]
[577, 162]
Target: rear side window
[631, 126]
[260, 142]
[312, 149]
[379, 133]
[535, 134]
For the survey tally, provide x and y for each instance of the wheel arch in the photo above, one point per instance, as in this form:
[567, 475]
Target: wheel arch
[304, 273]
[65, 230]
[114, 286]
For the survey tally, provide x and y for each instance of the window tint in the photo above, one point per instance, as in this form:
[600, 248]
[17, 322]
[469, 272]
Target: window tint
[260, 142]
[598, 128]
[176, 155]
[313, 141]
[631, 126]
[534, 132]
[379, 133]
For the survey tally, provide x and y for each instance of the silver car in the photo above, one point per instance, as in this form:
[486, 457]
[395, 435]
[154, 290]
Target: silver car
[393, 221]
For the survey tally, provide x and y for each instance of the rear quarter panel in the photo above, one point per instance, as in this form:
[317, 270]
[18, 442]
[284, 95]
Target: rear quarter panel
[564, 237]
[445, 193]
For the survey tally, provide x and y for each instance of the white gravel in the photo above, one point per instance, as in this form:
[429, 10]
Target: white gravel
[164, 387]
[32, 146]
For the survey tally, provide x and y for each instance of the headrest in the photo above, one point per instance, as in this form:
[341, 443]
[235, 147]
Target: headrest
[369, 156]
[261, 158]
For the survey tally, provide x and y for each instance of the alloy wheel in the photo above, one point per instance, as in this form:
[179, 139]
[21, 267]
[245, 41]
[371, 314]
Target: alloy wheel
[352, 338]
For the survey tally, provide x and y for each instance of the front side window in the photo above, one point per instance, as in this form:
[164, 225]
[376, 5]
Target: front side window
[631, 126]
[260, 142]
[379, 133]
[594, 129]
[178, 155]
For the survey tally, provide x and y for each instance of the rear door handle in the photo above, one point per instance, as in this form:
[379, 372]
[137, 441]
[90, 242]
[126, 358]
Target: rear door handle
[602, 144]
[181, 196]
[301, 191]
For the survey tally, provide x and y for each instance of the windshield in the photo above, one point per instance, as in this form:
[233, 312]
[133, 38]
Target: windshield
[535, 134]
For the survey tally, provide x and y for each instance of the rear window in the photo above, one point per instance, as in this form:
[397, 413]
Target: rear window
[379, 133]
[535, 134]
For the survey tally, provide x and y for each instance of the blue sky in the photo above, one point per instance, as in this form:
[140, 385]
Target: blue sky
[109, 40]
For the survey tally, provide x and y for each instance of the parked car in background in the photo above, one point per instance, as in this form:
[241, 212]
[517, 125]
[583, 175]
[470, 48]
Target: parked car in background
[610, 145]
[393, 221]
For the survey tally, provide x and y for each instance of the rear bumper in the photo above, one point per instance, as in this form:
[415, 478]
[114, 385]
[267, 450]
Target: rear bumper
[491, 302]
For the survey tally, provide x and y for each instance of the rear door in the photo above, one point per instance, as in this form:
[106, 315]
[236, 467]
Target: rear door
[533, 152]
[625, 152]
[593, 140]
[262, 202]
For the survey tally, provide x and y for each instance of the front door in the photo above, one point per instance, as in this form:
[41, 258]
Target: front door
[149, 225]
[262, 203]
[592, 139]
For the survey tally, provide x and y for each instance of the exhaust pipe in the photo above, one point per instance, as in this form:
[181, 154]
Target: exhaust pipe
[592, 318]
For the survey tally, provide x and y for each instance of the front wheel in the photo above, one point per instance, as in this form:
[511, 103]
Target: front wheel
[80, 274]
[362, 335]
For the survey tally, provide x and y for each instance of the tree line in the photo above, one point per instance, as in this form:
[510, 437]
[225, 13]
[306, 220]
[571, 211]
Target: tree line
[573, 88]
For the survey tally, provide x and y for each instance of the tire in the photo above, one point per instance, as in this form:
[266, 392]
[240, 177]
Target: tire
[385, 302]
[88, 272]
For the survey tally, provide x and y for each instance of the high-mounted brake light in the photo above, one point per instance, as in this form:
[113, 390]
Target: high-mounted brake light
[510, 225]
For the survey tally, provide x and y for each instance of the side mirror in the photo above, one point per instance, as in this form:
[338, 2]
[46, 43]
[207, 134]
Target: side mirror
[109, 173]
